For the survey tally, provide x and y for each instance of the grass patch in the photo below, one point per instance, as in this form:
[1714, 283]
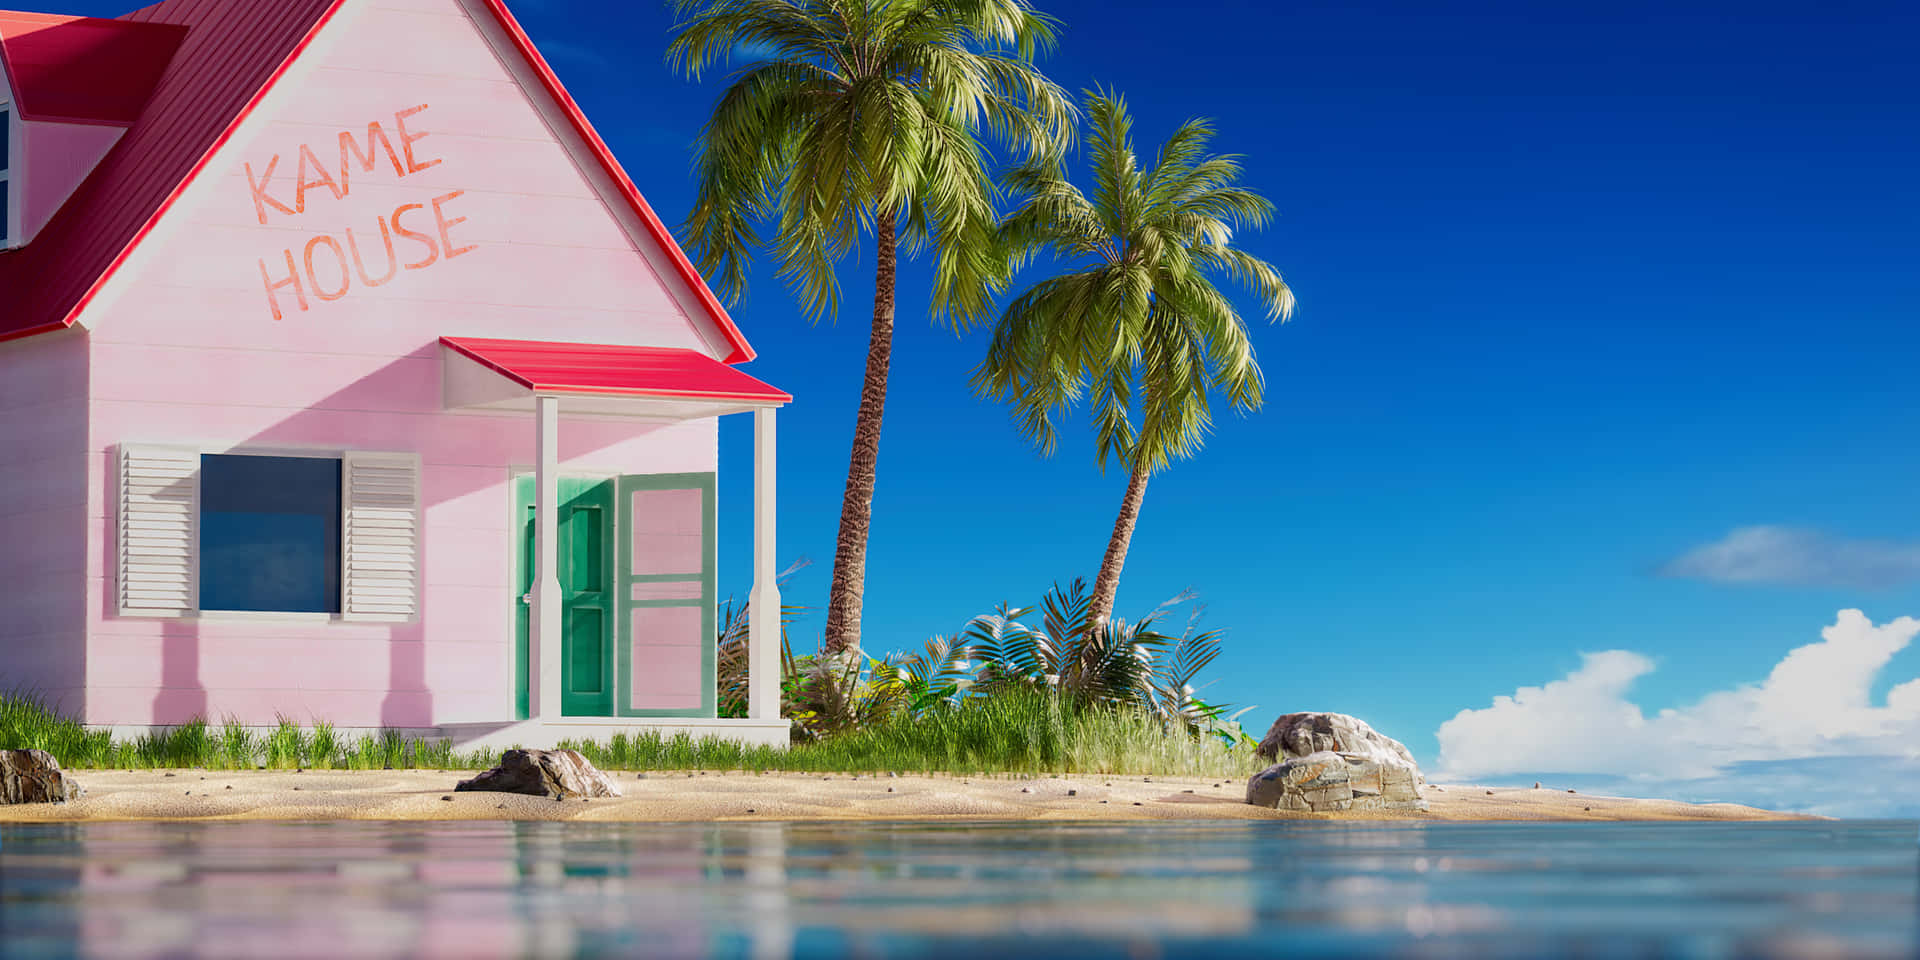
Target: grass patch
[1013, 733]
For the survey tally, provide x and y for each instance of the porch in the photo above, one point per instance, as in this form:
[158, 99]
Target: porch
[628, 647]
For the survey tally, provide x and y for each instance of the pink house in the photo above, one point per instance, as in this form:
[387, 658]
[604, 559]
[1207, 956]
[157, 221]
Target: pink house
[344, 375]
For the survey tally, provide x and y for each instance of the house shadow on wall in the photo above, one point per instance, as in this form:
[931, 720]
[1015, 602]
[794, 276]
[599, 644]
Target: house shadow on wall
[340, 421]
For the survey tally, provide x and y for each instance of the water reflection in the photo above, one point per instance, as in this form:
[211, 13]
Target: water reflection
[773, 890]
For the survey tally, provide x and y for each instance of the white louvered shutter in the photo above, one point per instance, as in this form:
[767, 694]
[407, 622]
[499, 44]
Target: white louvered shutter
[158, 569]
[380, 536]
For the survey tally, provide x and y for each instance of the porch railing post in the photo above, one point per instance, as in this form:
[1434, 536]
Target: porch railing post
[546, 613]
[763, 603]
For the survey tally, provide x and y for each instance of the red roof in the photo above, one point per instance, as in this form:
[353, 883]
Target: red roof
[615, 370]
[83, 69]
[232, 53]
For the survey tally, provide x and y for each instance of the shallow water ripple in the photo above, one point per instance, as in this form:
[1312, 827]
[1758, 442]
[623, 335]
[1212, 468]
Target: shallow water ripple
[255, 889]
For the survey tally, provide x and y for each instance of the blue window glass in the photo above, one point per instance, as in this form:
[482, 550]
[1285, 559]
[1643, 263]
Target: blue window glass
[6, 137]
[269, 534]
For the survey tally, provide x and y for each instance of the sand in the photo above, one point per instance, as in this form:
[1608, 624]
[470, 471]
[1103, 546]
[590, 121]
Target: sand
[681, 797]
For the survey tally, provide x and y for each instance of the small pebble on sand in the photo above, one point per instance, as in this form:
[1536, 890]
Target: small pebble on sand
[1073, 793]
[1569, 791]
[447, 797]
[1489, 793]
[1026, 789]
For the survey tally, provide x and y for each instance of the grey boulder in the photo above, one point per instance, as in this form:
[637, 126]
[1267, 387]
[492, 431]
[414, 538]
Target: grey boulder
[1332, 762]
[33, 776]
[560, 774]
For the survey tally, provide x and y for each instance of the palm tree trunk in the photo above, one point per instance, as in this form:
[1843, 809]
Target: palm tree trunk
[1107, 585]
[856, 506]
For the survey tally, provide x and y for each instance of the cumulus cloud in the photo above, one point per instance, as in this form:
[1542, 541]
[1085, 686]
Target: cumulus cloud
[1788, 555]
[1814, 706]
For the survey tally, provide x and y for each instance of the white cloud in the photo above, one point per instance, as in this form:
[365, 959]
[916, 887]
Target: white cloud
[1789, 555]
[1813, 707]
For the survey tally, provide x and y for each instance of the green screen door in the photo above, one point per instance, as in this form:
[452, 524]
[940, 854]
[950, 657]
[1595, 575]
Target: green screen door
[587, 611]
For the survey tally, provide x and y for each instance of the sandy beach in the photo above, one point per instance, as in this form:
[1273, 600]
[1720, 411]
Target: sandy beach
[683, 797]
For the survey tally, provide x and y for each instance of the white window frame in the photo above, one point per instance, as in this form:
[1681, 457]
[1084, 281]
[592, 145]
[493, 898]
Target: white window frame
[15, 134]
[278, 616]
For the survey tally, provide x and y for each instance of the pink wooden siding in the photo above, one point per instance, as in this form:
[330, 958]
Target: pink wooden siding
[190, 352]
[43, 517]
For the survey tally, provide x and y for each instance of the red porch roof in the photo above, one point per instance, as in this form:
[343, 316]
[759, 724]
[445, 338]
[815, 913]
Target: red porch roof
[605, 370]
[230, 53]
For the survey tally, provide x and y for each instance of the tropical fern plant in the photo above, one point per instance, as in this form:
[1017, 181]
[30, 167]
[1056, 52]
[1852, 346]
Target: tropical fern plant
[1113, 663]
[1134, 321]
[936, 677]
[731, 649]
[863, 116]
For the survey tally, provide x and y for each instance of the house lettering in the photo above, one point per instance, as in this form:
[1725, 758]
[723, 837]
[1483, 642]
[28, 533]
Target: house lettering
[327, 266]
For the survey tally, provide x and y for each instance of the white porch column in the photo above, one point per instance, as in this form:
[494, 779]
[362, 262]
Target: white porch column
[545, 617]
[763, 602]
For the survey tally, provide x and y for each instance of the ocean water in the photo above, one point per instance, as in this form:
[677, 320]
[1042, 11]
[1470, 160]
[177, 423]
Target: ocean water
[1136, 890]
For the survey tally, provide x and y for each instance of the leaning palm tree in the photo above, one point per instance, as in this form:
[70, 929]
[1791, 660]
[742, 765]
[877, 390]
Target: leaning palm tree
[1134, 319]
[852, 115]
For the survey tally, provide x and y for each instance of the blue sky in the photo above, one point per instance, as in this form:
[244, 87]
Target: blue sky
[1582, 290]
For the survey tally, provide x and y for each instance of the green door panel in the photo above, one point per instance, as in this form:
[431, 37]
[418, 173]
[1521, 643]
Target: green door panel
[585, 528]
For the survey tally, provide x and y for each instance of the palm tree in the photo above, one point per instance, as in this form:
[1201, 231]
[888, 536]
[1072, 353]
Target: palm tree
[854, 115]
[1134, 319]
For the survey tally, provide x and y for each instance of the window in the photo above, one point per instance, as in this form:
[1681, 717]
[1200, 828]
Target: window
[269, 534]
[6, 181]
[330, 535]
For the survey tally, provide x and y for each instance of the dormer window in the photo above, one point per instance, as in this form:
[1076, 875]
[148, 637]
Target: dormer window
[8, 209]
[70, 88]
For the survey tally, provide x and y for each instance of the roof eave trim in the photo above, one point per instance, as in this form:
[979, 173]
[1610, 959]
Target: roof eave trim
[742, 350]
[26, 117]
[35, 331]
[563, 390]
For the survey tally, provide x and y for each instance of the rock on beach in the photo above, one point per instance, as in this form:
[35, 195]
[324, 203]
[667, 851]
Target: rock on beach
[33, 776]
[1331, 762]
[560, 774]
